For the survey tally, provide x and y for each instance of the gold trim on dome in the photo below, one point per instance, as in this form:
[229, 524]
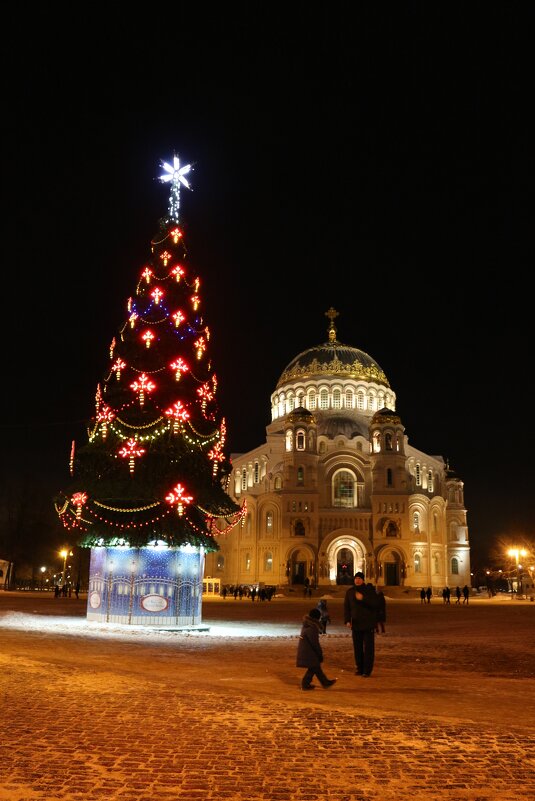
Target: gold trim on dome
[386, 418]
[300, 415]
[355, 370]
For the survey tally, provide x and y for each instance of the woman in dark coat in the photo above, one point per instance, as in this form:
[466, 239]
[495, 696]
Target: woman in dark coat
[309, 651]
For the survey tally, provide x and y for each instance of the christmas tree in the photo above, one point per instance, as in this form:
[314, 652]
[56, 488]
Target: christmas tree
[154, 471]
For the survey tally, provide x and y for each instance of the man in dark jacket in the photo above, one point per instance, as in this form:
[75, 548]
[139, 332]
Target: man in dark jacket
[360, 615]
[310, 653]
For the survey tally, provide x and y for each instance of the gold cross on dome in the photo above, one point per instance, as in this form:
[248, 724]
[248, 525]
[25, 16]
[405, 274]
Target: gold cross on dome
[332, 314]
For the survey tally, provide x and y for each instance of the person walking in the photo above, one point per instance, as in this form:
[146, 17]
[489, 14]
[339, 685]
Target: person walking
[360, 615]
[324, 614]
[422, 595]
[458, 594]
[310, 652]
[428, 594]
[381, 613]
[466, 594]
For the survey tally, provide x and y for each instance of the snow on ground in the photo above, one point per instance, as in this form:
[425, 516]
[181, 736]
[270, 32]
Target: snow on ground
[80, 627]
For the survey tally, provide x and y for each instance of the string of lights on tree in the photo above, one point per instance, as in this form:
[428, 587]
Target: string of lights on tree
[154, 468]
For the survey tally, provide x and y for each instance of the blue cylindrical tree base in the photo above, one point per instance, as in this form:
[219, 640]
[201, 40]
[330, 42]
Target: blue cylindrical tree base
[151, 586]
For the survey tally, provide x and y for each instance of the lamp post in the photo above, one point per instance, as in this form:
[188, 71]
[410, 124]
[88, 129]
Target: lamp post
[516, 553]
[64, 553]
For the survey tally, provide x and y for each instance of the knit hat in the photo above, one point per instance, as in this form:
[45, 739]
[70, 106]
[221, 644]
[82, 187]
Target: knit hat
[315, 614]
[359, 575]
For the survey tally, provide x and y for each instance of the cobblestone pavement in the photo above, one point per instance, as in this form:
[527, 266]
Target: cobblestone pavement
[447, 715]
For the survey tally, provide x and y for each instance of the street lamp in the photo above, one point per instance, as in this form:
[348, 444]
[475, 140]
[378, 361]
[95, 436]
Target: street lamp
[516, 553]
[64, 554]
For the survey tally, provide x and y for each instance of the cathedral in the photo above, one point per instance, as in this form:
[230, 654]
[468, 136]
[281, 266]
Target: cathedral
[336, 487]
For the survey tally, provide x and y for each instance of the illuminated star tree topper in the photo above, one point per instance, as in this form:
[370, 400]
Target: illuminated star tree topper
[174, 174]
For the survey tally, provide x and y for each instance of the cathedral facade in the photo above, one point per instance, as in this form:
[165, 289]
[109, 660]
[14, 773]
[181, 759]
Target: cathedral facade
[337, 488]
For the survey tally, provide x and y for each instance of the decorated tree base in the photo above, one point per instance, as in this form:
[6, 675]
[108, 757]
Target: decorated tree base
[150, 586]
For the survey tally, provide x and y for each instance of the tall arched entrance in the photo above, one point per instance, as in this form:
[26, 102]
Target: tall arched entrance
[300, 565]
[391, 571]
[345, 555]
[344, 566]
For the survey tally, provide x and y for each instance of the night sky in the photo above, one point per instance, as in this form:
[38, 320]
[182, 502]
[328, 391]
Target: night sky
[376, 163]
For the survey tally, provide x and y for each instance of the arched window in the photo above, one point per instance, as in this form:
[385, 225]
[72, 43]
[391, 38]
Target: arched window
[299, 529]
[430, 481]
[256, 472]
[417, 563]
[324, 399]
[323, 446]
[435, 522]
[416, 521]
[376, 442]
[247, 562]
[344, 489]
[436, 565]
[244, 479]
[389, 477]
[360, 400]
[312, 400]
[349, 399]
[418, 476]
[289, 440]
[269, 522]
[300, 440]
[278, 482]
[300, 475]
[337, 399]
[268, 561]
[371, 404]
[290, 402]
[388, 441]
[455, 566]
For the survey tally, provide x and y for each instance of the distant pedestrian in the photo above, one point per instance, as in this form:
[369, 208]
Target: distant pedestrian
[324, 614]
[466, 594]
[310, 653]
[428, 594]
[253, 593]
[422, 595]
[458, 594]
[77, 589]
[307, 590]
[381, 613]
[360, 615]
